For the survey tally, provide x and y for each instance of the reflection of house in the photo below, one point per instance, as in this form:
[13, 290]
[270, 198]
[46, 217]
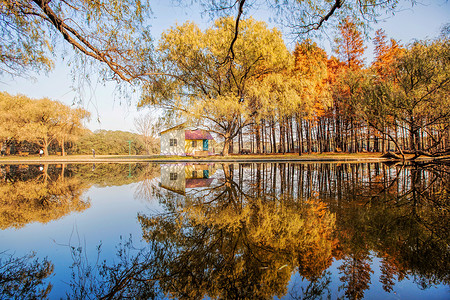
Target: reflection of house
[179, 177]
[173, 177]
[180, 141]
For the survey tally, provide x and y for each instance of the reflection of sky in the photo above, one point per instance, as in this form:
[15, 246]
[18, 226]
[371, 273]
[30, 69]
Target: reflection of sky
[406, 289]
[113, 213]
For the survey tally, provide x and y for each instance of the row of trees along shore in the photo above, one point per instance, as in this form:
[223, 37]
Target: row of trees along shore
[268, 100]
[37, 124]
[28, 125]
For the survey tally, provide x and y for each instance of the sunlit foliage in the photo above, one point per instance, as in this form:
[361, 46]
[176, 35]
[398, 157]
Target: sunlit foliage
[109, 142]
[111, 33]
[41, 121]
[207, 86]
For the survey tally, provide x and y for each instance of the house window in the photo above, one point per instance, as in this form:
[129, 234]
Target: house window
[194, 144]
[173, 176]
[173, 142]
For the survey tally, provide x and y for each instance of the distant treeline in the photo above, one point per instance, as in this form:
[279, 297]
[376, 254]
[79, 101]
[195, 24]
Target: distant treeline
[109, 142]
[29, 125]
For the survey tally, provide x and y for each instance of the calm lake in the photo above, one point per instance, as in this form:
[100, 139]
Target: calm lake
[227, 231]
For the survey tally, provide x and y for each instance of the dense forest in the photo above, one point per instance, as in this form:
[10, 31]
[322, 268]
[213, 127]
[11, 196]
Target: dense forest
[269, 100]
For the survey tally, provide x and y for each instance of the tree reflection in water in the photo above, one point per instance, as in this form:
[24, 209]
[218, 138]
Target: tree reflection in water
[245, 235]
[47, 192]
[43, 193]
[23, 277]
[38, 193]
[226, 242]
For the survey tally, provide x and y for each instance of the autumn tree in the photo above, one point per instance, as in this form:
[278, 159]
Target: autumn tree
[423, 102]
[350, 44]
[11, 121]
[71, 127]
[303, 17]
[39, 121]
[412, 102]
[311, 69]
[350, 51]
[385, 54]
[91, 28]
[112, 33]
[207, 87]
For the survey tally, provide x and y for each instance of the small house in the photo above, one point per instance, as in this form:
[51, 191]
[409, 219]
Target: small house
[180, 141]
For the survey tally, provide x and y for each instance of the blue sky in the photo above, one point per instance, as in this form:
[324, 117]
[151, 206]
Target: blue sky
[421, 21]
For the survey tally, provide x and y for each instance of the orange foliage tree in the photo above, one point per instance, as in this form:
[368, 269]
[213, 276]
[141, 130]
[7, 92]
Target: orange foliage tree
[385, 54]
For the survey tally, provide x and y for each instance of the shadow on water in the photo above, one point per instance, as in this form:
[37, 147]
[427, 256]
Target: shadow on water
[242, 231]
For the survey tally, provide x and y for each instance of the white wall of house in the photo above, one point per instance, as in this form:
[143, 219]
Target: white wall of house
[175, 134]
[173, 177]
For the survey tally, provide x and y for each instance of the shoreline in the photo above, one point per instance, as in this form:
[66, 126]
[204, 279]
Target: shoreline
[261, 158]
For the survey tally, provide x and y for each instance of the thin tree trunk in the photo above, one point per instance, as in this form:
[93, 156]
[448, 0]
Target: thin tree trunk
[258, 138]
[308, 136]
[274, 141]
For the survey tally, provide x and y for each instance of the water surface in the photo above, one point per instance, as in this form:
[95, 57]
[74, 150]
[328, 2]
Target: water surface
[251, 231]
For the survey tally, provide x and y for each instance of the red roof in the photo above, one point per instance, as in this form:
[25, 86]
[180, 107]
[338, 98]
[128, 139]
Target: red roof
[197, 135]
[198, 182]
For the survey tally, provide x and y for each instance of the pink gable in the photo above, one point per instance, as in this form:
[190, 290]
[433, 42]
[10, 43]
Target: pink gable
[197, 135]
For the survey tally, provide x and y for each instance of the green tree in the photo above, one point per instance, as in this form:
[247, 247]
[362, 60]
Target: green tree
[109, 142]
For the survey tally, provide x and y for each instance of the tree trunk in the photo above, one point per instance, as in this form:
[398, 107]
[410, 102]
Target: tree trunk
[258, 138]
[274, 140]
[299, 136]
[368, 139]
[308, 136]
[281, 144]
[226, 146]
[291, 128]
[45, 144]
[63, 149]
